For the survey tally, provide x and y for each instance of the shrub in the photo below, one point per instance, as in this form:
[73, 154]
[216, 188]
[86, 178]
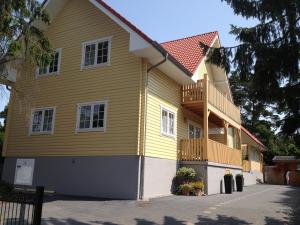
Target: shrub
[185, 189]
[198, 185]
[185, 174]
[228, 174]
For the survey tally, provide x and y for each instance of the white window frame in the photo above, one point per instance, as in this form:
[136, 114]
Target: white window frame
[96, 42]
[38, 75]
[169, 111]
[31, 132]
[195, 125]
[90, 129]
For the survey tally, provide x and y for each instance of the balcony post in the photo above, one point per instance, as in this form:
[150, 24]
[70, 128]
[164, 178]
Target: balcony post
[205, 118]
[225, 133]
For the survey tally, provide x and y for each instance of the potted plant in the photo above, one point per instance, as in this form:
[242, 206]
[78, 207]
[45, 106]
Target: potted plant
[239, 182]
[228, 183]
[198, 188]
[185, 189]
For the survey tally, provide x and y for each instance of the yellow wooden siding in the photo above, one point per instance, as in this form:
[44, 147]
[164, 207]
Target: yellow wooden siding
[119, 83]
[255, 166]
[162, 91]
[255, 163]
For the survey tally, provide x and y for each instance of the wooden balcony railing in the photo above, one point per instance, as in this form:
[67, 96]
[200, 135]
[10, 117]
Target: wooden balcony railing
[246, 166]
[192, 93]
[221, 102]
[192, 150]
[220, 153]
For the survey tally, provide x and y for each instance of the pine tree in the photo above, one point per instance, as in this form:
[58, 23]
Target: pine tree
[260, 119]
[19, 39]
[268, 55]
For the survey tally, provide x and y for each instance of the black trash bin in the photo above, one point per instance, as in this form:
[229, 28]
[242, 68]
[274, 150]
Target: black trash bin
[228, 183]
[239, 182]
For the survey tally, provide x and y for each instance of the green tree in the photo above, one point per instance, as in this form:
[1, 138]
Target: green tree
[20, 40]
[268, 56]
[3, 115]
[260, 119]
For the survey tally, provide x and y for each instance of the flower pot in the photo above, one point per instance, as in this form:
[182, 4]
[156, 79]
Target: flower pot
[228, 184]
[239, 183]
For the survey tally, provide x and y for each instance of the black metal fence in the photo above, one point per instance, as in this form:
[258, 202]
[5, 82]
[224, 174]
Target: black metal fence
[22, 208]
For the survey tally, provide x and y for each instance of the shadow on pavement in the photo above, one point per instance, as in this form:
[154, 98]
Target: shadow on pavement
[291, 200]
[220, 220]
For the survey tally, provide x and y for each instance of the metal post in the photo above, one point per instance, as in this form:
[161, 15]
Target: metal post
[38, 206]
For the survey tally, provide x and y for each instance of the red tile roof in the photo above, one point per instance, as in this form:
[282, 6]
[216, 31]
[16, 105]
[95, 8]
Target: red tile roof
[252, 137]
[187, 50]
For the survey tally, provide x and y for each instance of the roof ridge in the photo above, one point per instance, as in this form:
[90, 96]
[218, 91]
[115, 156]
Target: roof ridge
[179, 39]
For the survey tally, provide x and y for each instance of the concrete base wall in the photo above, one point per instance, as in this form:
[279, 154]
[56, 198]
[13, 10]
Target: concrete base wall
[105, 177]
[215, 178]
[251, 178]
[158, 176]
[213, 175]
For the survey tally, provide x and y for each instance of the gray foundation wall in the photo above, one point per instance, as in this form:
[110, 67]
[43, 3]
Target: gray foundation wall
[215, 177]
[158, 176]
[252, 177]
[212, 175]
[113, 177]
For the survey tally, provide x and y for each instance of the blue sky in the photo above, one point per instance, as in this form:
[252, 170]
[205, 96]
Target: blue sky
[165, 20]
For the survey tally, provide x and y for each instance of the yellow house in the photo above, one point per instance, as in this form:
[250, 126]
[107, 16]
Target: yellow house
[116, 113]
[252, 158]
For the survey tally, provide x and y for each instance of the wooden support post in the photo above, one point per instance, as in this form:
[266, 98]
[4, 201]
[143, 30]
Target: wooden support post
[225, 133]
[240, 144]
[205, 118]
[240, 139]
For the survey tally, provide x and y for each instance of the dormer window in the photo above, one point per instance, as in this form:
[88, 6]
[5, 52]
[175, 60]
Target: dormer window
[53, 68]
[96, 53]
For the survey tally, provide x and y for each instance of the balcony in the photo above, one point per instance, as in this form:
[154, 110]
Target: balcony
[194, 150]
[195, 96]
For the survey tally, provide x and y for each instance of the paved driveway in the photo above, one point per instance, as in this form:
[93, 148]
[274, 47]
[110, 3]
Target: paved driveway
[259, 204]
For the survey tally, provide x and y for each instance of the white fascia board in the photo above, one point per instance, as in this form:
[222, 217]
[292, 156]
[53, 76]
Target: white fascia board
[136, 41]
[194, 77]
[53, 7]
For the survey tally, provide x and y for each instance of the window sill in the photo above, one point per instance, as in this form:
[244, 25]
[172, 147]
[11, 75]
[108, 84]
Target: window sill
[40, 133]
[46, 75]
[102, 130]
[95, 66]
[167, 135]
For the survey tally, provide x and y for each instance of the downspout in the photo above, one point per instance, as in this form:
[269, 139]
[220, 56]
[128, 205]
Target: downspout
[142, 165]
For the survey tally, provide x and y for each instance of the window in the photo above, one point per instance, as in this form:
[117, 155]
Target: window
[42, 121]
[53, 67]
[298, 166]
[167, 122]
[255, 155]
[96, 53]
[194, 131]
[92, 116]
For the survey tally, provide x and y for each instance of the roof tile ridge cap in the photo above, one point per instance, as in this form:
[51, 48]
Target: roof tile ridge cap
[188, 37]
